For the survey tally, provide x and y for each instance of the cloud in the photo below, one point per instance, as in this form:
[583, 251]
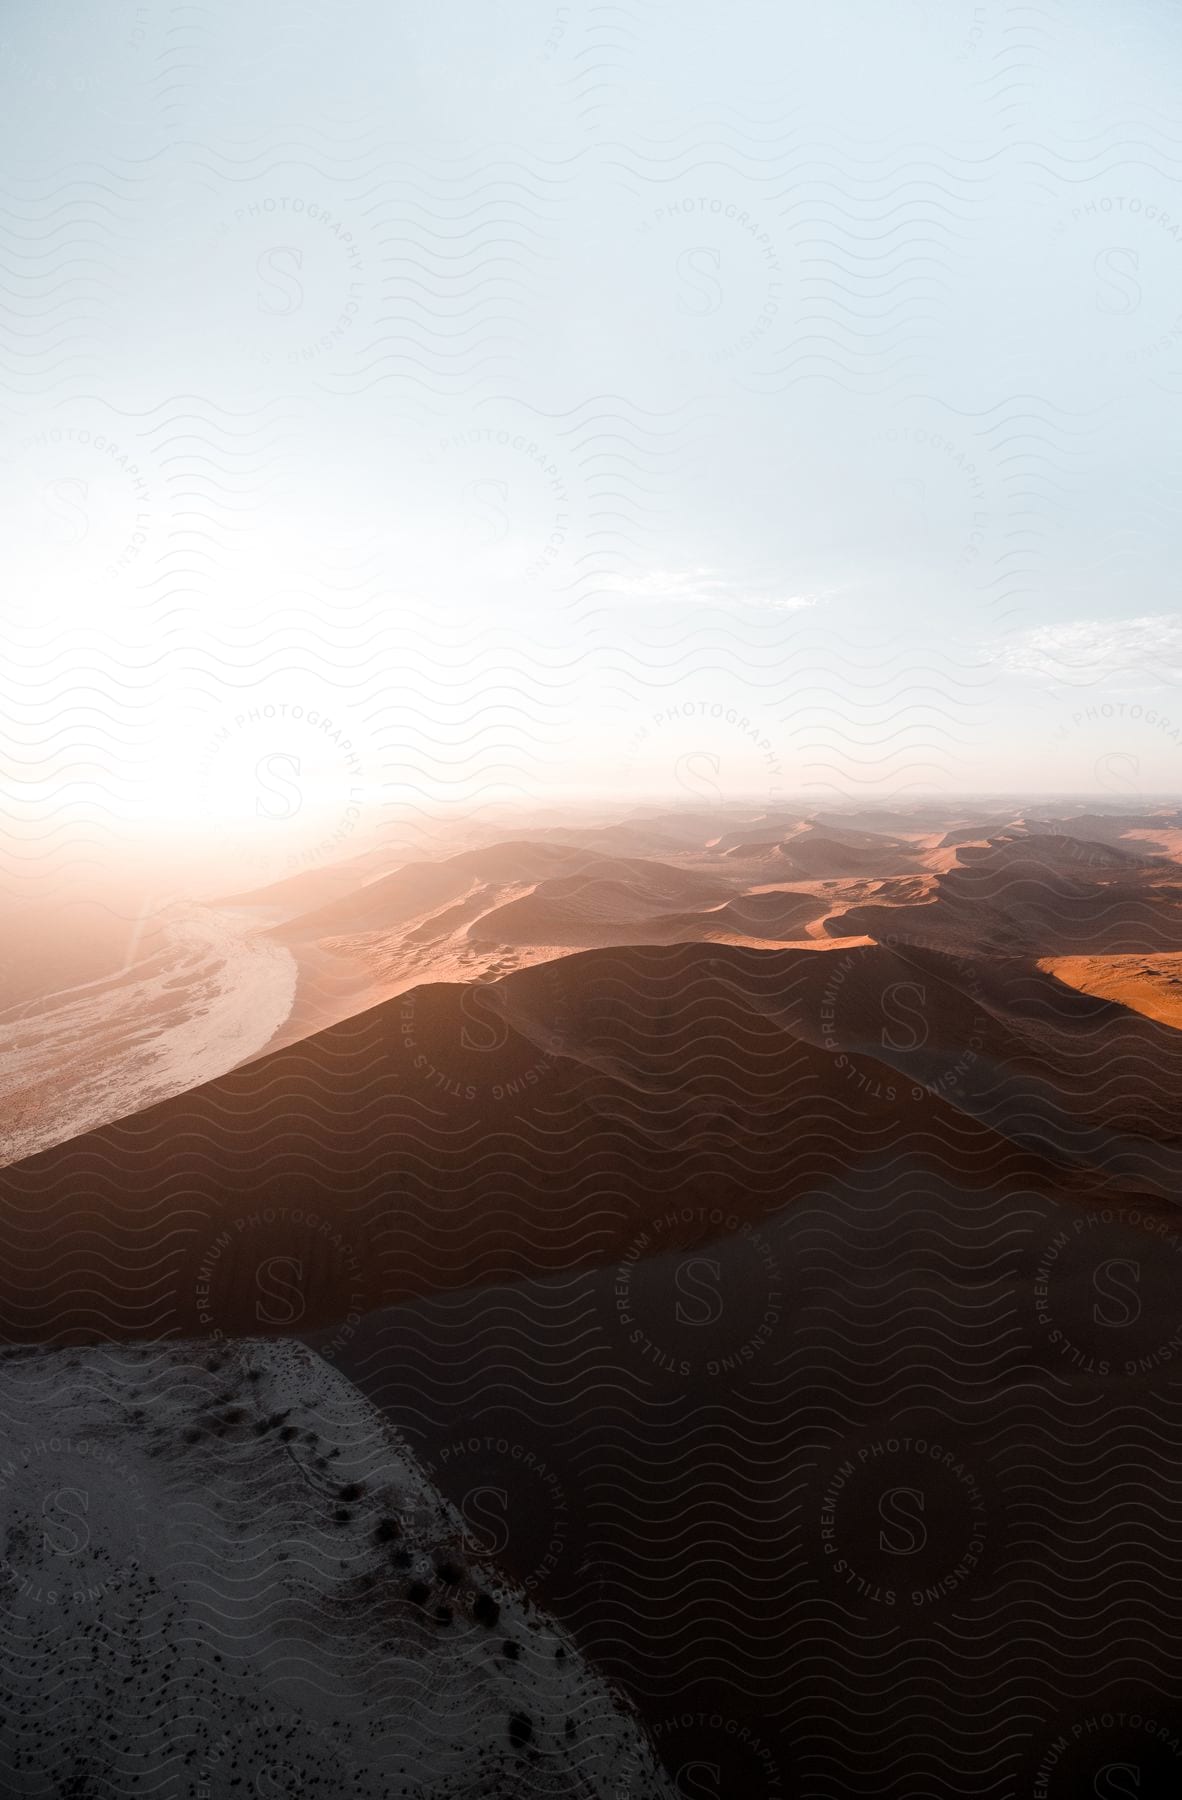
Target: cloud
[700, 587]
[1085, 652]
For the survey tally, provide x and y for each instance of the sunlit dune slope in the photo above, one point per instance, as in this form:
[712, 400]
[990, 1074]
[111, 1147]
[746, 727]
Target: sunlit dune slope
[1146, 984]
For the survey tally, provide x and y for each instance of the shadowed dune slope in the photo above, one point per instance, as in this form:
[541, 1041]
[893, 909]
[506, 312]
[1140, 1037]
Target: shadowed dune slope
[460, 1135]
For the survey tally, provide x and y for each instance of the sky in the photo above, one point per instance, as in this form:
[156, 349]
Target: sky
[443, 408]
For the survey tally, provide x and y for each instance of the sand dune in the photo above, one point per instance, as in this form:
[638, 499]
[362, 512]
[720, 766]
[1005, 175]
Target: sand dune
[1043, 895]
[695, 1185]
[620, 903]
[463, 1134]
[510, 905]
[195, 990]
[813, 855]
[151, 1028]
[1146, 984]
